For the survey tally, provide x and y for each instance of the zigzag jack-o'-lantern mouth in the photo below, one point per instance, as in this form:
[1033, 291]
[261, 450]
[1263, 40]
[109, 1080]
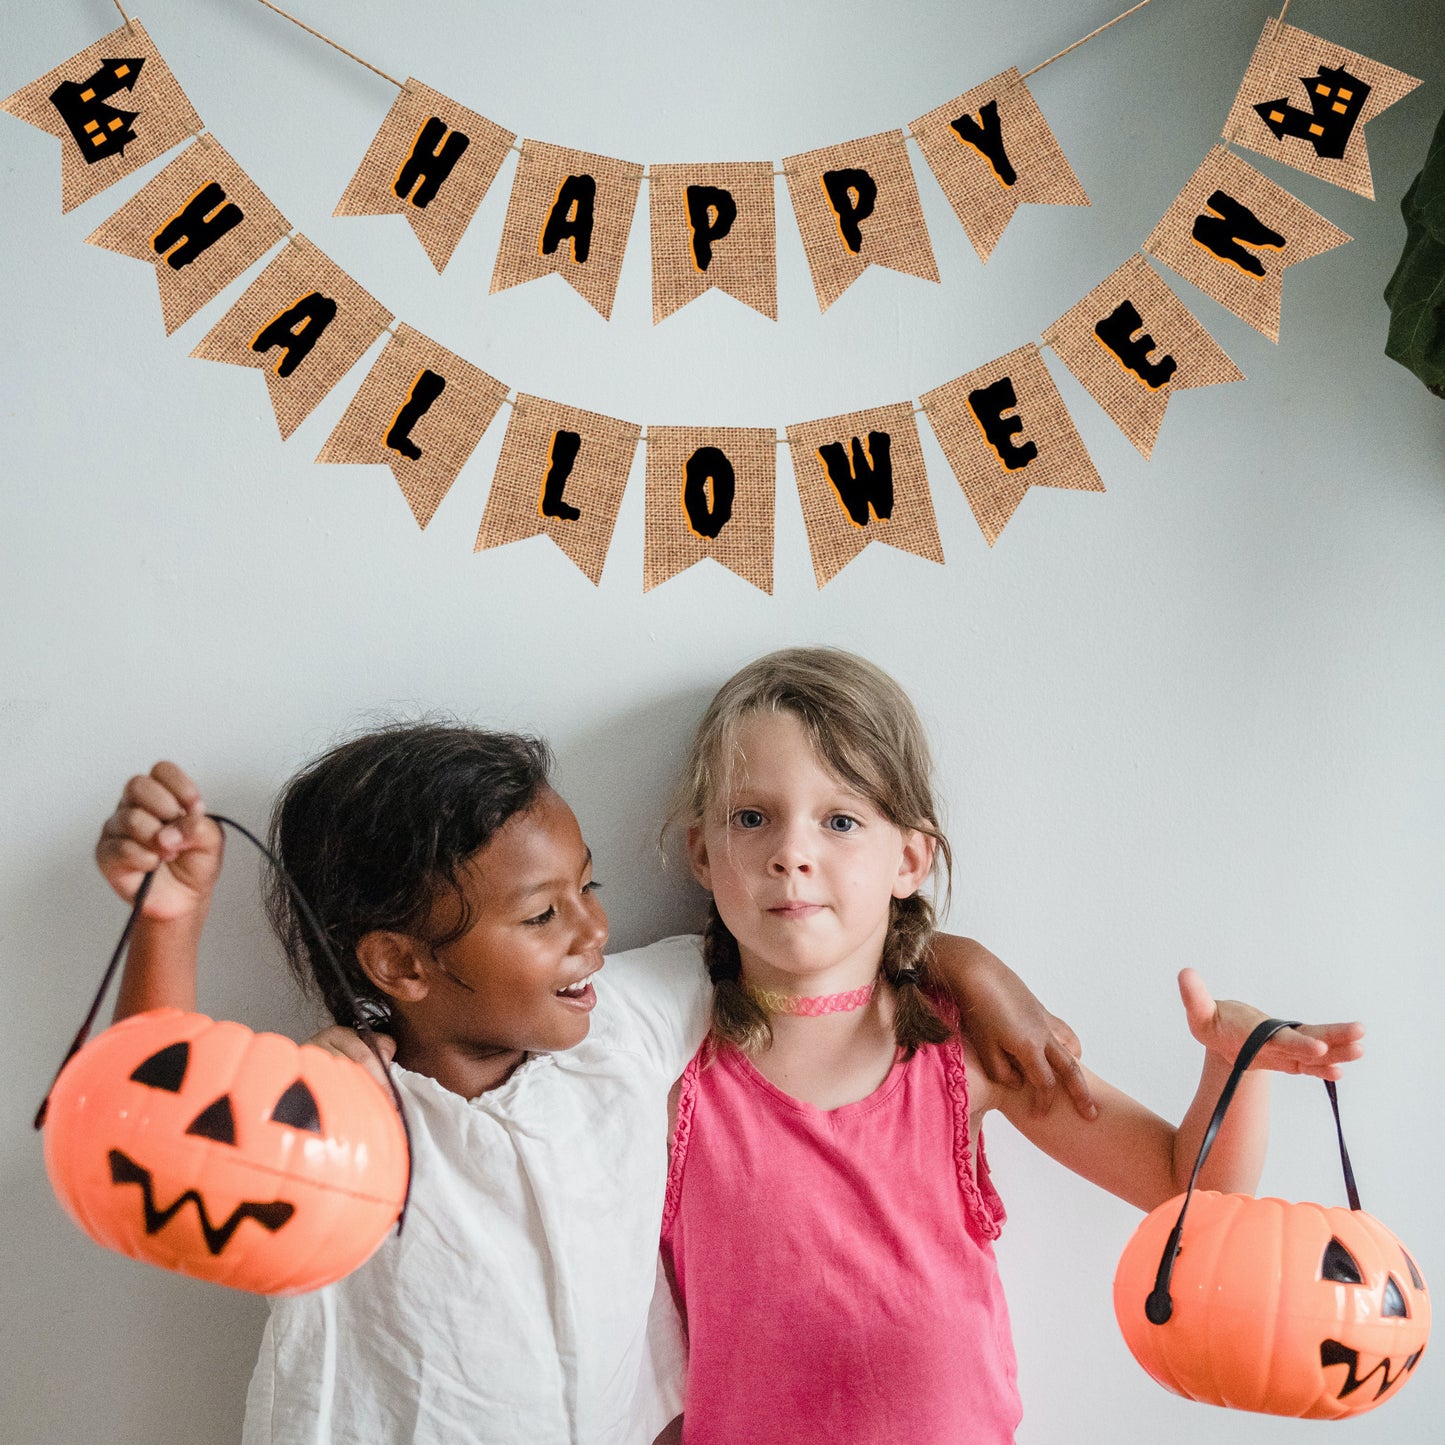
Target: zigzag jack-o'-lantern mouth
[1332, 1352]
[270, 1216]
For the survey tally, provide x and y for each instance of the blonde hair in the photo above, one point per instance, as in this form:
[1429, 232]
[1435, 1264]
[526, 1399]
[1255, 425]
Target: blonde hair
[864, 729]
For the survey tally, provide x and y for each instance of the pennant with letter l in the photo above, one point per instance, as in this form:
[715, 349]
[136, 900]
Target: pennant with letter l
[861, 479]
[1306, 102]
[570, 213]
[114, 107]
[710, 493]
[857, 206]
[1133, 343]
[992, 151]
[421, 411]
[1004, 428]
[561, 473]
[1232, 232]
[303, 322]
[432, 161]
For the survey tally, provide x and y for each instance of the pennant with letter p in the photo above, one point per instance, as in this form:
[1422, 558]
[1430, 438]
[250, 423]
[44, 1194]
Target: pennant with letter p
[113, 107]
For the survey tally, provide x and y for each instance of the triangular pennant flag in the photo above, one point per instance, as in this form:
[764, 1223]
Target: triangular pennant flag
[421, 411]
[713, 225]
[432, 162]
[710, 493]
[857, 206]
[304, 323]
[861, 479]
[570, 213]
[992, 151]
[201, 222]
[561, 472]
[1133, 343]
[114, 107]
[1306, 102]
[1232, 232]
[1004, 428]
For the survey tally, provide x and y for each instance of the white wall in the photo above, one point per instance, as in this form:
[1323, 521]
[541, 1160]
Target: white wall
[1196, 720]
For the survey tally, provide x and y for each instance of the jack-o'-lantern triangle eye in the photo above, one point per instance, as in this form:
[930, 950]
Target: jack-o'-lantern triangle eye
[1394, 1304]
[297, 1107]
[1339, 1265]
[165, 1069]
[1414, 1273]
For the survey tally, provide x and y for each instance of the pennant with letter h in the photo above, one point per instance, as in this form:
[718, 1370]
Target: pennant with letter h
[113, 107]
[1306, 102]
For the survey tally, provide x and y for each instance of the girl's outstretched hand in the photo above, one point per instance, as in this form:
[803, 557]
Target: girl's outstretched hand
[1222, 1027]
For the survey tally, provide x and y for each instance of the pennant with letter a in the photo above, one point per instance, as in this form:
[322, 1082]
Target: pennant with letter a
[432, 161]
[1133, 343]
[421, 411]
[857, 206]
[861, 479]
[1004, 428]
[570, 213]
[713, 225]
[1232, 232]
[1306, 102]
[113, 107]
[710, 493]
[201, 222]
[992, 150]
[303, 322]
[562, 472]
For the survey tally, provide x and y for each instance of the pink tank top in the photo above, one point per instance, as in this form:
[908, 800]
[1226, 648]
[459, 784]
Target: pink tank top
[836, 1266]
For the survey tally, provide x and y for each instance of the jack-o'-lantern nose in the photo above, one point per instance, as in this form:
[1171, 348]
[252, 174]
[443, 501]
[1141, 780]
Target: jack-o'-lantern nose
[216, 1122]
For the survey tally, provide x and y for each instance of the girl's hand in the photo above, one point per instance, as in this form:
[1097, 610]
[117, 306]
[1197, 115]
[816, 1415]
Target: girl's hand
[348, 1044]
[1315, 1049]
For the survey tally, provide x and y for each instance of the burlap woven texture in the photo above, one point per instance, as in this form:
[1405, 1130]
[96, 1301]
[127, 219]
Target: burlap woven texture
[834, 539]
[164, 116]
[744, 262]
[1285, 66]
[440, 223]
[133, 228]
[1136, 407]
[745, 544]
[299, 270]
[446, 434]
[894, 235]
[981, 200]
[540, 175]
[993, 491]
[1255, 299]
[594, 486]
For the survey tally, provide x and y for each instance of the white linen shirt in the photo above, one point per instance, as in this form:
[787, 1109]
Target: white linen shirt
[515, 1305]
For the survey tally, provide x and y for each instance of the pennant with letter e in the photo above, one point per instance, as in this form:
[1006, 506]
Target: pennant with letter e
[421, 411]
[710, 493]
[1133, 343]
[1306, 102]
[1004, 428]
[1232, 232]
[857, 206]
[114, 107]
[861, 479]
[432, 161]
[561, 473]
[992, 151]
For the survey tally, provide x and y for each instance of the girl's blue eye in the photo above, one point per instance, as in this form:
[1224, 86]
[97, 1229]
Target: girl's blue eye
[748, 818]
[842, 823]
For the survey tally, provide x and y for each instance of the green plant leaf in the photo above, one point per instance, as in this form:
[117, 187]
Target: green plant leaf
[1416, 292]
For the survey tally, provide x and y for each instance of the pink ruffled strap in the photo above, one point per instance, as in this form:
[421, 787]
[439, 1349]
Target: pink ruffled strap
[681, 1133]
[985, 1209]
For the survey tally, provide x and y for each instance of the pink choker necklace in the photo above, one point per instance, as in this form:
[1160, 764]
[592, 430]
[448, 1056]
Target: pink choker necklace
[775, 1001]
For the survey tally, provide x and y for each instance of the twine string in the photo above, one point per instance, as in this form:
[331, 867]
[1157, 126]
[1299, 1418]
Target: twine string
[329, 41]
[1090, 36]
[123, 15]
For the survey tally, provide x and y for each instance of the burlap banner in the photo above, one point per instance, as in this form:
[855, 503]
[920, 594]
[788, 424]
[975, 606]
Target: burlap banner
[421, 411]
[201, 222]
[1004, 428]
[713, 225]
[569, 213]
[113, 107]
[857, 206]
[861, 479]
[1232, 232]
[710, 493]
[1133, 343]
[1343, 90]
[562, 472]
[304, 323]
[992, 151]
[432, 162]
